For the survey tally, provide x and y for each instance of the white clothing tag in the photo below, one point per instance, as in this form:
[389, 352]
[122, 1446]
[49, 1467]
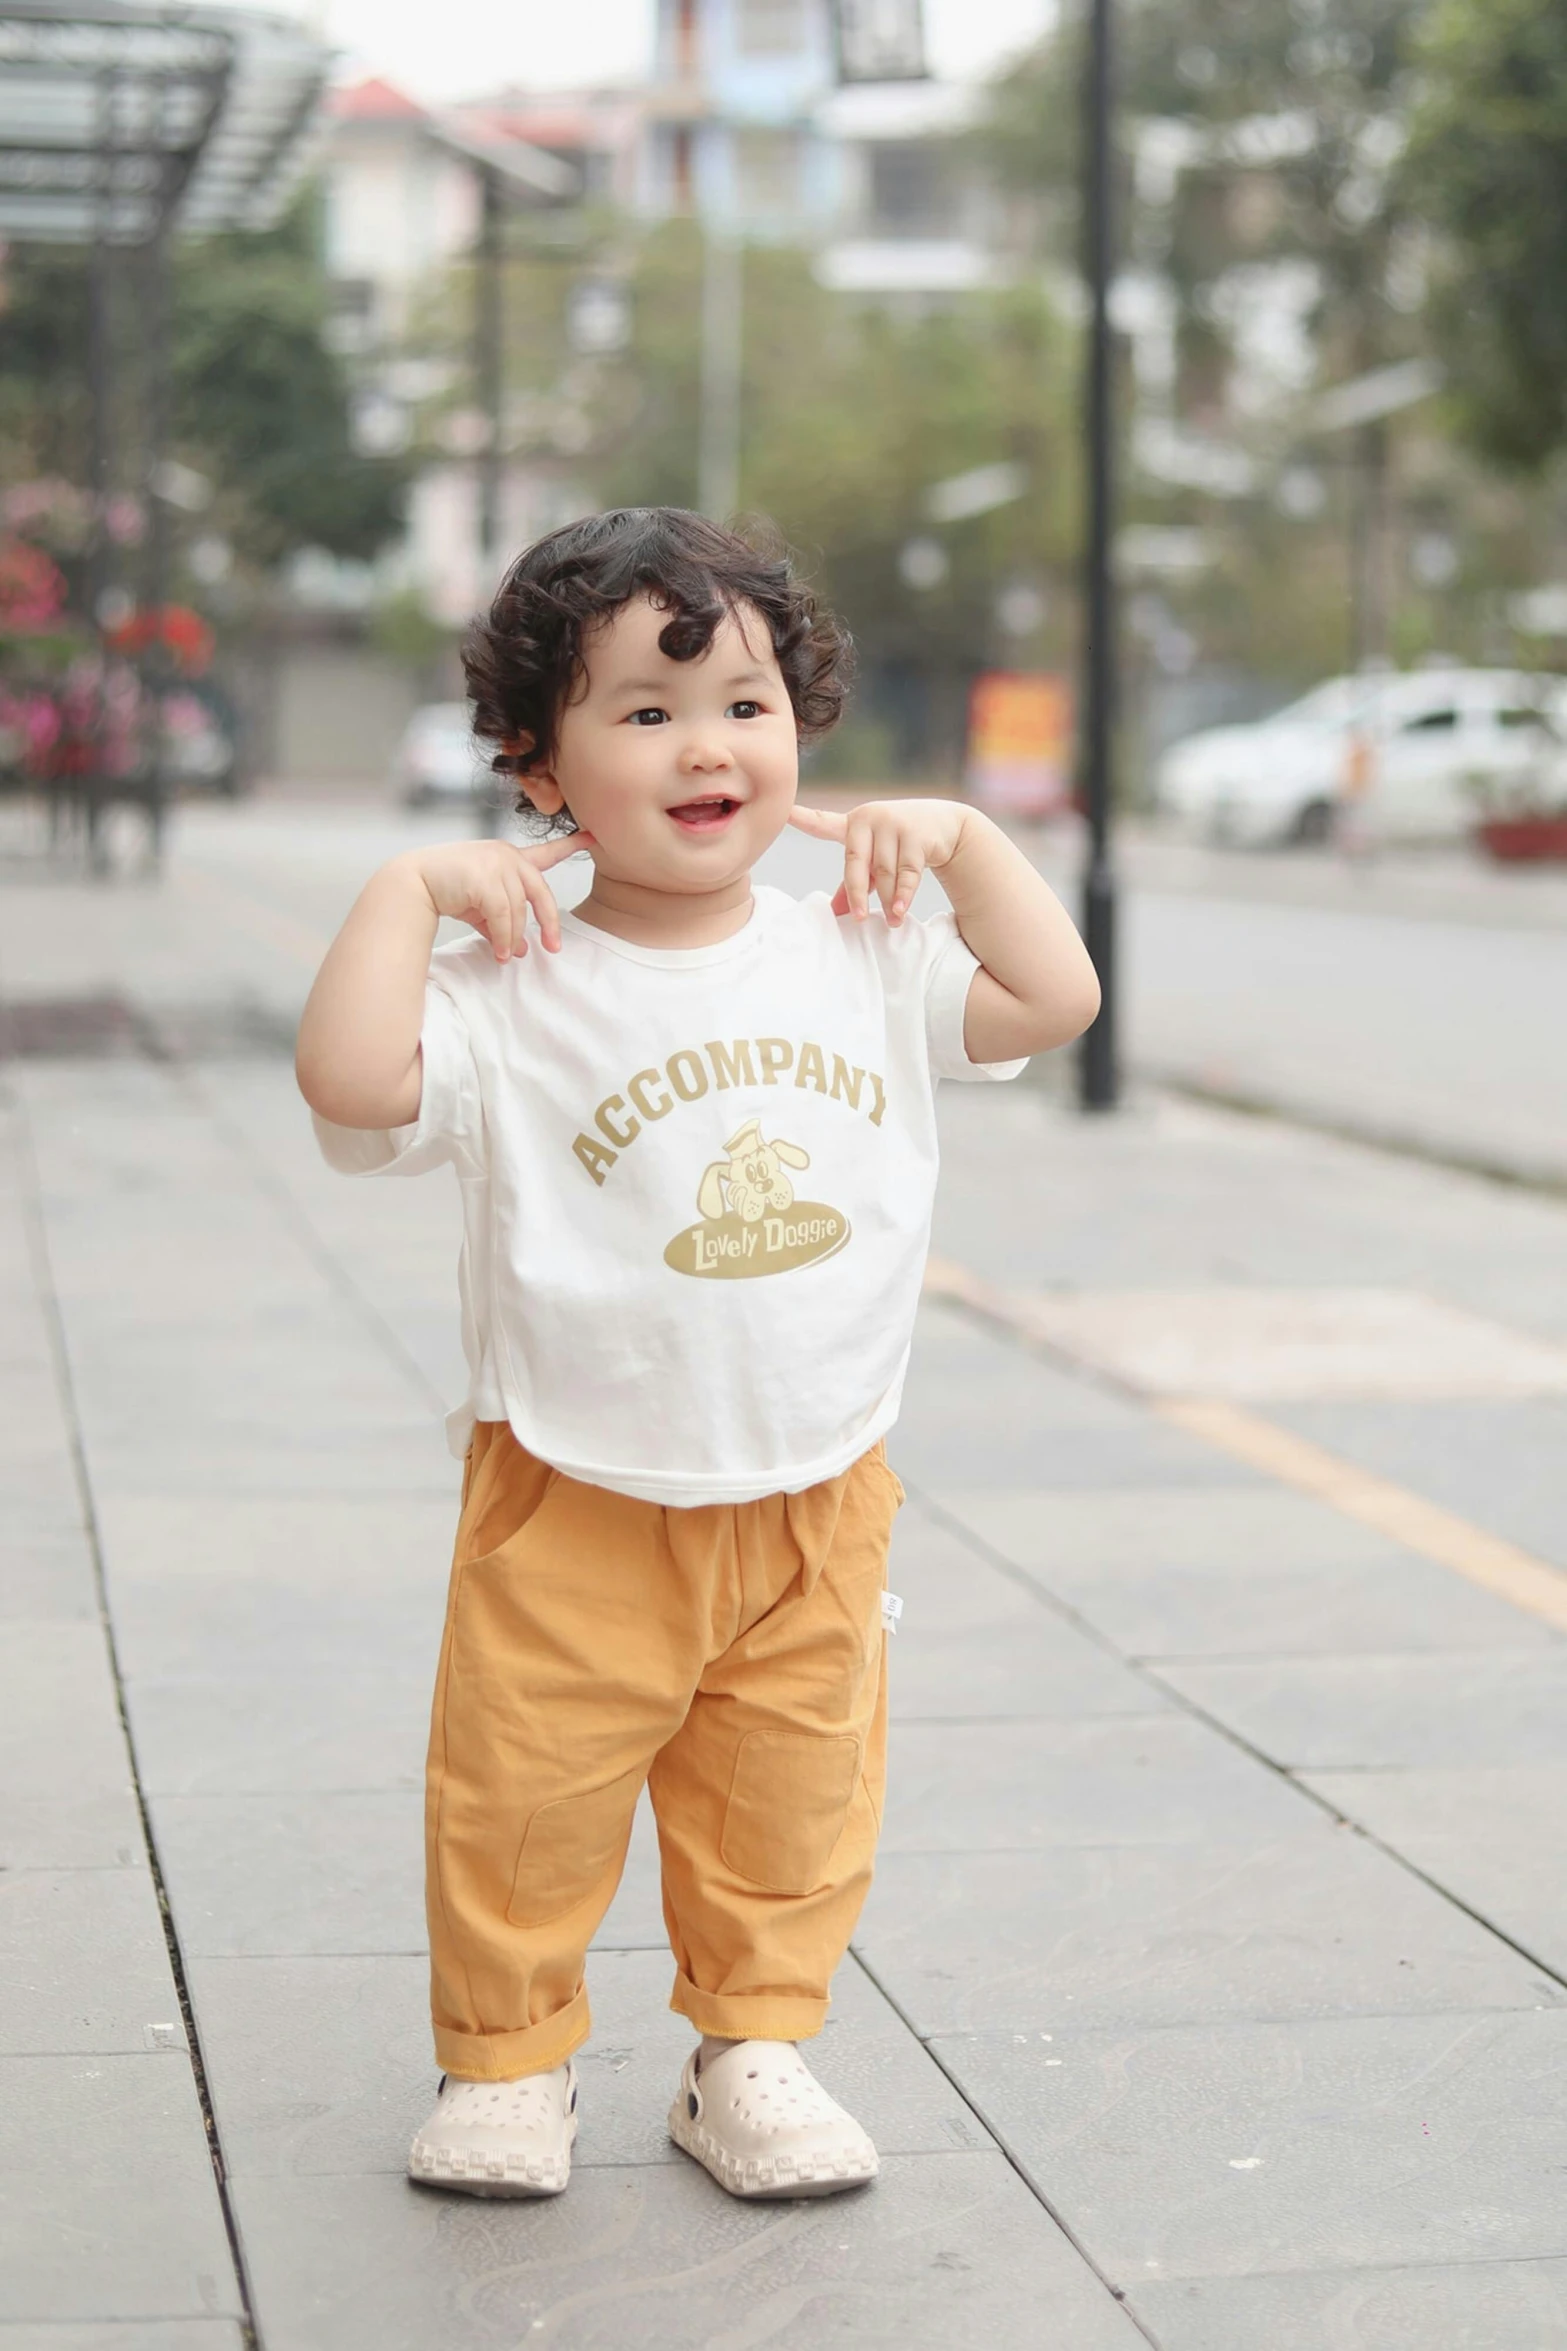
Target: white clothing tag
[891, 1610]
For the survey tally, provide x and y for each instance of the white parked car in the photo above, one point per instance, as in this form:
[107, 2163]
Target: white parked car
[439, 757]
[1421, 755]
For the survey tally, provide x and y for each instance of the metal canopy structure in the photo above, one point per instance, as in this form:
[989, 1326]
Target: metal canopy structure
[117, 117]
[123, 122]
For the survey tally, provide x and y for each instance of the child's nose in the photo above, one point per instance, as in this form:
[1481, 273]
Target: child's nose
[706, 753]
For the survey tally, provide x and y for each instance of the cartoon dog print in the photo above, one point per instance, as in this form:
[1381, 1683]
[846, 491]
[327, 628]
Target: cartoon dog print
[751, 1180]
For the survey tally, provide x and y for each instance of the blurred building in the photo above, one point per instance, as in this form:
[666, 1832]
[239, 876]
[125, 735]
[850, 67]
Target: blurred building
[741, 125]
[744, 123]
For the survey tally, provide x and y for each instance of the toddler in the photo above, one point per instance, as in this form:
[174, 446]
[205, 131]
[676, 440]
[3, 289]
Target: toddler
[693, 1123]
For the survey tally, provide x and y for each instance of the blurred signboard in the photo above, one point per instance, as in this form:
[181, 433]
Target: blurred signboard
[1020, 742]
[879, 40]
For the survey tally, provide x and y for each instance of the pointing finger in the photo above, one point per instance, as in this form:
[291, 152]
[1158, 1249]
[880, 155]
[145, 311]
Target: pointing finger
[550, 853]
[856, 866]
[542, 899]
[823, 824]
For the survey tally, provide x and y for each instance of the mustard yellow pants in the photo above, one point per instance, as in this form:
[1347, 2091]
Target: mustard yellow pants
[731, 1657]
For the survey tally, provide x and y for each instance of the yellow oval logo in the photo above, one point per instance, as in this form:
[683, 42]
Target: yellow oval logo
[735, 1248]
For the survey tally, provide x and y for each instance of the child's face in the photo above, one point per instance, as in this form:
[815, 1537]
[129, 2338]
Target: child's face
[682, 771]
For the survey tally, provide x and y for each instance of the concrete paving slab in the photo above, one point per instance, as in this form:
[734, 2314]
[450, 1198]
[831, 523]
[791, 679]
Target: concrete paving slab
[1492, 1706]
[1254, 1344]
[962, 1372]
[83, 1963]
[46, 1568]
[323, 2066]
[1497, 1463]
[1171, 1192]
[1260, 1528]
[419, 1467]
[1309, 1926]
[53, 1674]
[941, 2253]
[108, 2207]
[1401, 1603]
[972, 1642]
[164, 2334]
[1492, 1837]
[1468, 2306]
[64, 1804]
[315, 2065]
[1024, 1787]
[1007, 1449]
[1039, 1670]
[100, 1830]
[315, 1543]
[219, 1625]
[210, 1585]
[233, 1733]
[295, 1873]
[39, 1477]
[1347, 2143]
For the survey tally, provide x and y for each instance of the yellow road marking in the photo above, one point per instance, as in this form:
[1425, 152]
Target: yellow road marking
[1439, 1535]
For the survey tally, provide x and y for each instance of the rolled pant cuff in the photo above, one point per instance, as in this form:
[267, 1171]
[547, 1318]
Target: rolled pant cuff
[507, 2057]
[749, 2016]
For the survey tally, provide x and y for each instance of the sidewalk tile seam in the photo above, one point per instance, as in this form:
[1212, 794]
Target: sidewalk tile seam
[41, 1265]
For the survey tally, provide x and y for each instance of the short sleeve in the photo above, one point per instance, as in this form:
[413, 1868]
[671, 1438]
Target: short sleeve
[949, 973]
[450, 1126]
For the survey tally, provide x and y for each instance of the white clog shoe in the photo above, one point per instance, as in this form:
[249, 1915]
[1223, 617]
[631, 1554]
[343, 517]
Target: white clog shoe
[499, 2138]
[761, 2123]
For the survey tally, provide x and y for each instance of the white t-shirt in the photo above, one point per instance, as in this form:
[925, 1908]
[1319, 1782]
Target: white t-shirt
[697, 1187]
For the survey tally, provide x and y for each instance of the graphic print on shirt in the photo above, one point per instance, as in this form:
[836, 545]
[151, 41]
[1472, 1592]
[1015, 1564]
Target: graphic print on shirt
[751, 1222]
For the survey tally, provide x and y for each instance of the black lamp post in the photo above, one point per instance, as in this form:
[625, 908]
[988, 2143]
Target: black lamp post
[1098, 1077]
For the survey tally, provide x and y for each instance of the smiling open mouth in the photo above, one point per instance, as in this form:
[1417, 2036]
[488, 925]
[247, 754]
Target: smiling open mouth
[704, 816]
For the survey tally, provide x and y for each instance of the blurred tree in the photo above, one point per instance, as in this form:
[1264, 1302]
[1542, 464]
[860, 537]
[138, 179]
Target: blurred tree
[1265, 131]
[262, 399]
[1488, 168]
[852, 412]
[260, 403]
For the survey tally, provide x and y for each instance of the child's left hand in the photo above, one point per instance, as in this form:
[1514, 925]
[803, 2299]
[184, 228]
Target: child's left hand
[887, 845]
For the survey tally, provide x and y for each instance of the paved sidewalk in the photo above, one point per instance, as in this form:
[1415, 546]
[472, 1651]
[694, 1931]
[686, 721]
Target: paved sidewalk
[1213, 1990]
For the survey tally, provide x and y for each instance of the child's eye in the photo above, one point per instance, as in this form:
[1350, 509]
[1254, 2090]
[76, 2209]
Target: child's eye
[745, 710]
[648, 717]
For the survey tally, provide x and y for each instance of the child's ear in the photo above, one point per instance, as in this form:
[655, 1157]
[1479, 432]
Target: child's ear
[536, 782]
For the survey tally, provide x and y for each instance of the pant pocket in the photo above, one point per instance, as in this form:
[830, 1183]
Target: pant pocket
[567, 1848]
[788, 1800]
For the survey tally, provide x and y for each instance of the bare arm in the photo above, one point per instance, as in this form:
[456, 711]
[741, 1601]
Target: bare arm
[357, 1060]
[1037, 988]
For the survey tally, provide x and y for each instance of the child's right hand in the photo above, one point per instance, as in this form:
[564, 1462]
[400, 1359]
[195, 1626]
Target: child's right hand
[492, 884]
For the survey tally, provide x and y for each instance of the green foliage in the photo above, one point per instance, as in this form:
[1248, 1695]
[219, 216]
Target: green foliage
[1488, 167]
[259, 402]
[402, 628]
[260, 397]
[851, 413]
[1290, 120]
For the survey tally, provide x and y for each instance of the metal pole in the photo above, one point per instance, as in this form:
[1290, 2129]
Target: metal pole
[1098, 1078]
[489, 371]
[158, 320]
[95, 569]
[723, 342]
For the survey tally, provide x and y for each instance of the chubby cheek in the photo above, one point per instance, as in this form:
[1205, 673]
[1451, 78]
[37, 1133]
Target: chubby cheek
[611, 800]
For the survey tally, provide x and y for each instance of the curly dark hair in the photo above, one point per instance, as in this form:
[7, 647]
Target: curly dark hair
[524, 657]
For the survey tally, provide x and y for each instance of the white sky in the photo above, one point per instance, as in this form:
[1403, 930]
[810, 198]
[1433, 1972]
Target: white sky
[443, 49]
